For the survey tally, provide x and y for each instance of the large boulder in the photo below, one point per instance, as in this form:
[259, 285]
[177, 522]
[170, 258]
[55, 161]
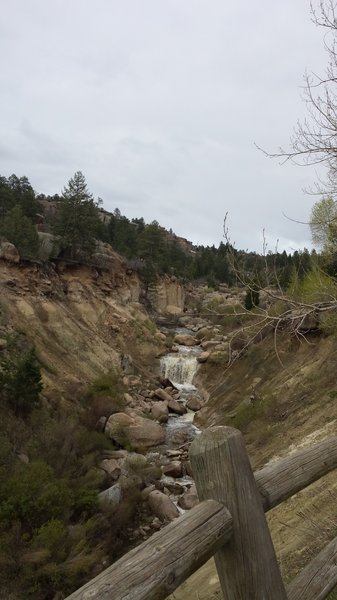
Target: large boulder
[185, 340]
[134, 431]
[162, 506]
[145, 433]
[116, 425]
[9, 252]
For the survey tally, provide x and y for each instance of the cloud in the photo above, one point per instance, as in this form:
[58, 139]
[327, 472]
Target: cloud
[159, 104]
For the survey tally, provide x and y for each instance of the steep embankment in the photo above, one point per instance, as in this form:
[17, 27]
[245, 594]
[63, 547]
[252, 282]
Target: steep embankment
[79, 321]
[279, 407]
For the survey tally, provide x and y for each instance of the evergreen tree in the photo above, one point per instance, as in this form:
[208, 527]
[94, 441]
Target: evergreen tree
[20, 231]
[20, 382]
[24, 195]
[77, 222]
[252, 298]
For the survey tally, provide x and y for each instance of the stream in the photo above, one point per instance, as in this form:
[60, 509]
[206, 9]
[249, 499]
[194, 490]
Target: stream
[180, 368]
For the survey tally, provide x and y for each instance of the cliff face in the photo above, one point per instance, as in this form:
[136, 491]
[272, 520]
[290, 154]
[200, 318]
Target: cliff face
[81, 322]
[167, 296]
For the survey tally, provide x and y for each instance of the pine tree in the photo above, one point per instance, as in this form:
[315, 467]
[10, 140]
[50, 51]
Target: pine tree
[20, 382]
[77, 222]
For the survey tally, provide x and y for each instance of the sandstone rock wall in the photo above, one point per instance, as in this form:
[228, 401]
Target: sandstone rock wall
[167, 296]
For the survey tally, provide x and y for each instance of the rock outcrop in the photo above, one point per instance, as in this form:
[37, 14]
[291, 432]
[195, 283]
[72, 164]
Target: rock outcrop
[167, 296]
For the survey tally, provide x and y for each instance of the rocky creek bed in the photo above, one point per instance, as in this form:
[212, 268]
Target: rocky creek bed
[154, 433]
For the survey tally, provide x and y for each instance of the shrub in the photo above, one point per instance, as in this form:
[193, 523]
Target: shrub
[20, 382]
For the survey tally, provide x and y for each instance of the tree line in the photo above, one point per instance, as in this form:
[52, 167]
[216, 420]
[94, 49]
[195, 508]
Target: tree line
[78, 221]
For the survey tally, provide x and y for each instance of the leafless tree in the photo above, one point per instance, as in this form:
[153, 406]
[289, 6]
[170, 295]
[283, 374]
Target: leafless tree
[315, 139]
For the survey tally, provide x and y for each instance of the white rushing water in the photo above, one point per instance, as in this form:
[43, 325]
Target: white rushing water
[180, 367]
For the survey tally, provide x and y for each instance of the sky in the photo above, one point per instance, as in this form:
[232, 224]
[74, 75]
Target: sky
[160, 103]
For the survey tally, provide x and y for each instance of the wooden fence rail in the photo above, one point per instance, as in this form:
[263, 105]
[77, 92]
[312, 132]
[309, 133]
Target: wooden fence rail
[229, 522]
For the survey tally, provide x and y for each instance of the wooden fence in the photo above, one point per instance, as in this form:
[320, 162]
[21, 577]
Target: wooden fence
[230, 523]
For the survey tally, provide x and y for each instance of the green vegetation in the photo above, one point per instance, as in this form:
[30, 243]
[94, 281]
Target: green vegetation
[53, 534]
[20, 231]
[20, 380]
[77, 222]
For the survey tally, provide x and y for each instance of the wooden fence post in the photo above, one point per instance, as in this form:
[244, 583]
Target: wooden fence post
[247, 565]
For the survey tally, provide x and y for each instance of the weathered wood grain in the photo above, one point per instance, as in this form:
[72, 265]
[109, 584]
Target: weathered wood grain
[247, 565]
[318, 578]
[280, 480]
[154, 569]
[158, 566]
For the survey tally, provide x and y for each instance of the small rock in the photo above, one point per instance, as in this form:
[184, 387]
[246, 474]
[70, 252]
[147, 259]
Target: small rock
[100, 424]
[189, 499]
[23, 458]
[194, 403]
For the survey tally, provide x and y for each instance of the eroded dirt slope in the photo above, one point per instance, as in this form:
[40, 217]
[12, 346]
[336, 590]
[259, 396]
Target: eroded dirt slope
[80, 322]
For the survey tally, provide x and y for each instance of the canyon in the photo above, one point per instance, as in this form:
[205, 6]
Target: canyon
[84, 321]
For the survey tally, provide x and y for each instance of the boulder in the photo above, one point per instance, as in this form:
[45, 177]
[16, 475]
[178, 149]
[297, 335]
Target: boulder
[162, 395]
[159, 412]
[205, 333]
[203, 357]
[9, 252]
[116, 425]
[145, 433]
[185, 340]
[194, 403]
[189, 499]
[173, 469]
[176, 407]
[134, 430]
[112, 496]
[209, 344]
[162, 506]
[112, 467]
[146, 491]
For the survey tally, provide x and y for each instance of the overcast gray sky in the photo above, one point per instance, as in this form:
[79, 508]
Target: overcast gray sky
[159, 103]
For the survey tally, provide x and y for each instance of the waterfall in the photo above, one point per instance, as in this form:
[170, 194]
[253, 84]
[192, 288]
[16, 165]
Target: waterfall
[179, 368]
